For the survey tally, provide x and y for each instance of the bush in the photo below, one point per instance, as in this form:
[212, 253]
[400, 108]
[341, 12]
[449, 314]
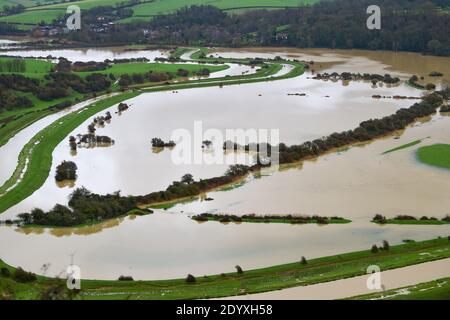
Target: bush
[126, 278]
[303, 261]
[379, 219]
[374, 249]
[239, 269]
[190, 279]
[4, 272]
[23, 276]
[67, 170]
[385, 245]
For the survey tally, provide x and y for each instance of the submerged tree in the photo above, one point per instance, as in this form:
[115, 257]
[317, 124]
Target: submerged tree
[67, 170]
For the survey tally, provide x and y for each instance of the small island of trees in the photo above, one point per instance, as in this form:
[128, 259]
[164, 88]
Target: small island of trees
[67, 170]
[159, 143]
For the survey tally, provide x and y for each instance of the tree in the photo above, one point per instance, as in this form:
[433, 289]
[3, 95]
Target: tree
[237, 170]
[303, 261]
[239, 269]
[187, 178]
[190, 279]
[385, 245]
[67, 170]
[374, 249]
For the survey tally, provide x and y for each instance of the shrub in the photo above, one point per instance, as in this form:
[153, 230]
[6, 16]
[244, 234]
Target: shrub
[5, 272]
[379, 219]
[374, 249]
[126, 278]
[303, 261]
[190, 279]
[67, 170]
[239, 269]
[23, 276]
[385, 245]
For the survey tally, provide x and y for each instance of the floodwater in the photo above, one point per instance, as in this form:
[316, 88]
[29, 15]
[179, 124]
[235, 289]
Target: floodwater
[356, 183]
[340, 289]
[91, 54]
[403, 64]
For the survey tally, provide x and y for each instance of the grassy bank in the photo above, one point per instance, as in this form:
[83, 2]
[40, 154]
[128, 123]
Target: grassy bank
[417, 222]
[251, 281]
[35, 158]
[437, 155]
[433, 290]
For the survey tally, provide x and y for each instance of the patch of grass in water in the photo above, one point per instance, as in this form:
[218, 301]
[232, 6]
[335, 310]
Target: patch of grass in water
[437, 155]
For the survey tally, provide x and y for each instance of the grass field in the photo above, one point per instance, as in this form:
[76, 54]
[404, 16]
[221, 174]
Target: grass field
[433, 290]
[437, 155]
[251, 281]
[34, 68]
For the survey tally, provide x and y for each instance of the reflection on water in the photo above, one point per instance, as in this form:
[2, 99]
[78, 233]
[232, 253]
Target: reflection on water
[91, 54]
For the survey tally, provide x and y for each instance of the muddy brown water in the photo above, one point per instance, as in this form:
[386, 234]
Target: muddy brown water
[354, 183]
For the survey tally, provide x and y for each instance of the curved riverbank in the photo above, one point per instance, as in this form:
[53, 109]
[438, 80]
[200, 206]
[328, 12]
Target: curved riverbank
[255, 281]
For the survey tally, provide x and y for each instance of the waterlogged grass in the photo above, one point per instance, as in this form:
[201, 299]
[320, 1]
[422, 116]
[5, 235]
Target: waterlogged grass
[417, 222]
[433, 290]
[437, 155]
[407, 145]
[251, 281]
[35, 159]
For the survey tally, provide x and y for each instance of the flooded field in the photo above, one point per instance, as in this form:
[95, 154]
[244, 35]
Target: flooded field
[355, 183]
[91, 54]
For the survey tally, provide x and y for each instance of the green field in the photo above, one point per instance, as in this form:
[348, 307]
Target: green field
[433, 290]
[47, 13]
[437, 155]
[34, 17]
[34, 68]
[250, 281]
